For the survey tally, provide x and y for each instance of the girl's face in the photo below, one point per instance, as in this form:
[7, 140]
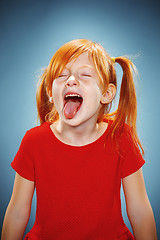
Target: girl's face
[76, 92]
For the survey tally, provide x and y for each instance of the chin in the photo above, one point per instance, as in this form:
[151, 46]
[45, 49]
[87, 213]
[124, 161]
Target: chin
[73, 122]
[78, 121]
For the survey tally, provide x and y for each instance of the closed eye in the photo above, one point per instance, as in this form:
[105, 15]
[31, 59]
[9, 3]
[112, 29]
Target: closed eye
[86, 75]
[63, 75]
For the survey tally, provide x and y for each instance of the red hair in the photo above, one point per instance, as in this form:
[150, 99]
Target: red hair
[127, 108]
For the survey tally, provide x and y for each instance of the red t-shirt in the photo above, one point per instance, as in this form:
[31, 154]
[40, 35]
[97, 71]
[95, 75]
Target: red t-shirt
[77, 188]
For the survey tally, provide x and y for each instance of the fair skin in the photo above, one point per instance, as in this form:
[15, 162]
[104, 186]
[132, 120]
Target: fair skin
[18, 211]
[81, 78]
[139, 210]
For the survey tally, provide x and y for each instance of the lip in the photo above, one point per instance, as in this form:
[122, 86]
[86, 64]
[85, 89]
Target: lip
[72, 93]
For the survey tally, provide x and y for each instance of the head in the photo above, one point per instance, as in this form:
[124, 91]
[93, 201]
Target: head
[105, 69]
[103, 64]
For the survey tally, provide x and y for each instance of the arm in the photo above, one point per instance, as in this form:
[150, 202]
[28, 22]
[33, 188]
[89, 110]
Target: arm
[18, 210]
[138, 207]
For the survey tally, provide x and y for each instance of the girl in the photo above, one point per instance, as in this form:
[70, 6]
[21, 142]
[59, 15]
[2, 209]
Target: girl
[79, 154]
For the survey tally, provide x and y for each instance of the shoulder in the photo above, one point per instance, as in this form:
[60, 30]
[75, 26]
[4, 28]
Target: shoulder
[123, 136]
[125, 131]
[36, 133]
[127, 135]
[128, 143]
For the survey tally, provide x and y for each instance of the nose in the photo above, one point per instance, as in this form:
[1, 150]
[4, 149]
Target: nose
[71, 81]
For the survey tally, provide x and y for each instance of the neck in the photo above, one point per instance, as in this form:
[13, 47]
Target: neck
[78, 135]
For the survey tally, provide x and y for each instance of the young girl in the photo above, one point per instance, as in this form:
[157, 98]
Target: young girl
[79, 154]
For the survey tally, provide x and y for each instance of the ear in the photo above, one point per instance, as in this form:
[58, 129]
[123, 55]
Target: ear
[49, 92]
[109, 95]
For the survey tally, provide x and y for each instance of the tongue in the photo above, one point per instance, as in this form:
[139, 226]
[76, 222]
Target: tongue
[71, 108]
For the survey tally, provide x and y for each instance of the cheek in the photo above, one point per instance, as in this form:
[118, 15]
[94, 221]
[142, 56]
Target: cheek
[56, 96]
[94, 95]
[57, 93]
[55, 90]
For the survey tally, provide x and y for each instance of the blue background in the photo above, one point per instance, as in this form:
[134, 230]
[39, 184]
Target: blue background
[31, 31]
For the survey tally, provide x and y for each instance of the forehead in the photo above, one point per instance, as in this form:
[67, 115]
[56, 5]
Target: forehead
[83, 59]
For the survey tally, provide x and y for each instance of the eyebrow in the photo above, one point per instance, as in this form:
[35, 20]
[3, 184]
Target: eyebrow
[83, 66]
[87, 66]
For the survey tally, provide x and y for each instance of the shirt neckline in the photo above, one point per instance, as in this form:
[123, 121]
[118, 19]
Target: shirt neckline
[92, 144]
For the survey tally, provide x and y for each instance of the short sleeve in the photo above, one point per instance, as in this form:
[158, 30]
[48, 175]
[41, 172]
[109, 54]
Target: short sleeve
[23, 162]
[131, 157]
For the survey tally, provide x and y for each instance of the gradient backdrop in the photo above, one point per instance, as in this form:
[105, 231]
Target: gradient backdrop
[31, 31]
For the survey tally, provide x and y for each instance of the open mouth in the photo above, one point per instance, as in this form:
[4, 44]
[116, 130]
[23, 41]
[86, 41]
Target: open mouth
[72, 104]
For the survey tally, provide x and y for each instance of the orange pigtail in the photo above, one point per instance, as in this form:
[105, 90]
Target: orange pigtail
[127, 108]
[43, 104]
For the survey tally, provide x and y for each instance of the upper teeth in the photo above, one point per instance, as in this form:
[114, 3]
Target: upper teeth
[72, 95]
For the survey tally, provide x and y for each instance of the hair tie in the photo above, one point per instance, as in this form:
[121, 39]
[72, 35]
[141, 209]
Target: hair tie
[113, 59]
